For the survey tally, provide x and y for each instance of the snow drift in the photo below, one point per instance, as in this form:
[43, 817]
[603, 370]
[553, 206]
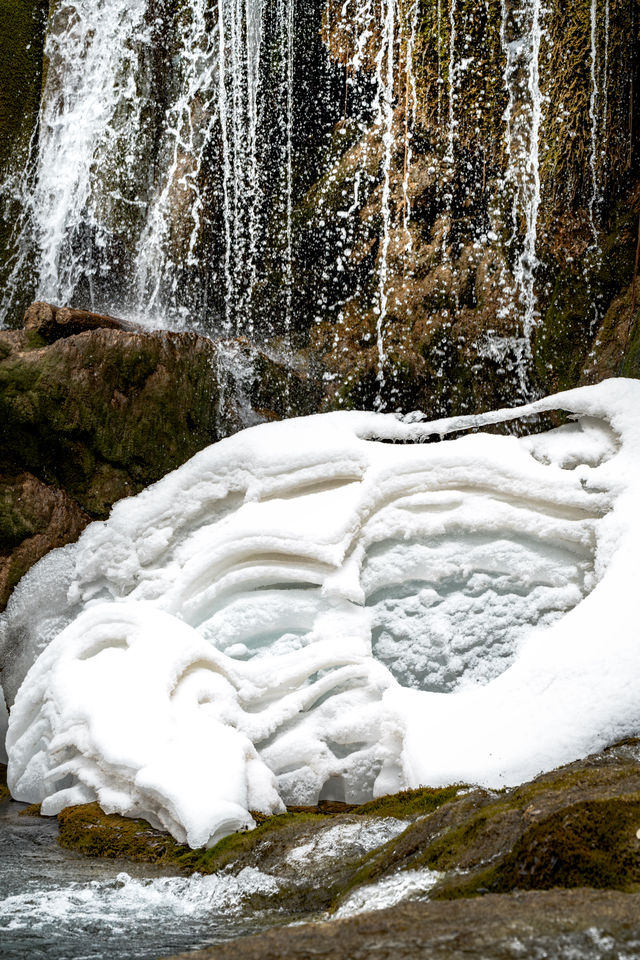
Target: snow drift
[333, 607]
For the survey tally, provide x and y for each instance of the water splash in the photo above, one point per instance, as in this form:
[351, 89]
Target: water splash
[594, 200]
[385, 106]
[521, 36]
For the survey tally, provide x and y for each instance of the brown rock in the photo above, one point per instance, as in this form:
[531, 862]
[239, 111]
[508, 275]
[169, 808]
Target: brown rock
[555, 924]
[53, 323]
[93, 409]
[34, 518]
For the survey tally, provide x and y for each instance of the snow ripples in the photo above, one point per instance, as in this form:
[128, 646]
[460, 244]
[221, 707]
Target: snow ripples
[333, 608]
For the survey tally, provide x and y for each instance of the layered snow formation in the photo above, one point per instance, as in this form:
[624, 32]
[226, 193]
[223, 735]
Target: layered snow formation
[338, 607]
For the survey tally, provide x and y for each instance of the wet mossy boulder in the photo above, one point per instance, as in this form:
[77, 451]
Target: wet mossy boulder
[558, 924]
[88, 830]
[93, 409]
[572, 828]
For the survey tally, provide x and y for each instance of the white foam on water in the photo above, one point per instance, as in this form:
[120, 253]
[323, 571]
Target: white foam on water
[400, 887]
[347, 839]
[124, 898]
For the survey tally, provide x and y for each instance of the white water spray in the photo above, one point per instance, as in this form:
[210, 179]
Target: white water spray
[521, 36]
[90, 120]
[385, 75]
[594, 200]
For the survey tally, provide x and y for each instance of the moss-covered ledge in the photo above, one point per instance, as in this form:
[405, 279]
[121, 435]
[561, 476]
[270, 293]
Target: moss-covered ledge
[574, 827]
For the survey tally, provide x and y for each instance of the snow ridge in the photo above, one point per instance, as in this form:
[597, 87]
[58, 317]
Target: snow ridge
[334, 608]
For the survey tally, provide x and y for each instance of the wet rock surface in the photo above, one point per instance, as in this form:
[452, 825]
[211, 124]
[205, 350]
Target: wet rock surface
[578, 924]
[549, 869]
[93, 409]
[572, 828]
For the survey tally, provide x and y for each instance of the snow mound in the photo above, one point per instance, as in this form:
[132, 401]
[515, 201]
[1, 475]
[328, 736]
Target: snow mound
[337, 607]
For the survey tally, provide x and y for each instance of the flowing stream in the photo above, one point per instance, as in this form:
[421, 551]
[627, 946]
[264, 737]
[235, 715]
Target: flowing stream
[60, 905]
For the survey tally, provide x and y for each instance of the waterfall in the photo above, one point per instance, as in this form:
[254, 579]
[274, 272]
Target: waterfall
[452, 81]
[594, 200]
[521, 35]
[147, 191]
[410, 111]
[195, 168]
[90, 120]
[217, 97]
[385, 105]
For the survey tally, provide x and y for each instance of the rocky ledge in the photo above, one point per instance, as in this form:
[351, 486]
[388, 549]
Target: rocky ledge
[93, 409]
[554, 925]
[556, 858]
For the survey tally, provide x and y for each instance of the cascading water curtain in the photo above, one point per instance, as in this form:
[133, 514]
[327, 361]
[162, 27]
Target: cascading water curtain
[376, 39]
[146, 193]
[521, 36]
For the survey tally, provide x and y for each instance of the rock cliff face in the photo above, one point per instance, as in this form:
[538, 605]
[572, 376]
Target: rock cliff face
[428, 205]
[434, 202]
[508, 200]
[93, 409]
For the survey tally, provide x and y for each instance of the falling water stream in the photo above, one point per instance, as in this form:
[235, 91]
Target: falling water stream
[167, 181]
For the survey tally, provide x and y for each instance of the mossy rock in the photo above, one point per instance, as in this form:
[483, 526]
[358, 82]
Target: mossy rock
[582, 319]
[87, 829]
[574, 827]
[93, 409]
[22, 26]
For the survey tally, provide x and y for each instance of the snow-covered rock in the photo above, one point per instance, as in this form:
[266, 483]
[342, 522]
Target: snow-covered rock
[331, 607]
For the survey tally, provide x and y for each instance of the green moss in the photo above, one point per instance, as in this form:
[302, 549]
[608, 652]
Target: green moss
[630, 366]
[104, 414]
[239, 845]
[22, 25]
[409, 803]
[581, 297]
[4, 793]
[592, 844]
[90, 831]
[34, 340]
[576, 826]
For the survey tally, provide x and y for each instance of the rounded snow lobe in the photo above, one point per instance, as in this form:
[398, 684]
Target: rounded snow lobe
[307, 611]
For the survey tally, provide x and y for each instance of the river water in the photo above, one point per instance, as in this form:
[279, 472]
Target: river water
[59, 905]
